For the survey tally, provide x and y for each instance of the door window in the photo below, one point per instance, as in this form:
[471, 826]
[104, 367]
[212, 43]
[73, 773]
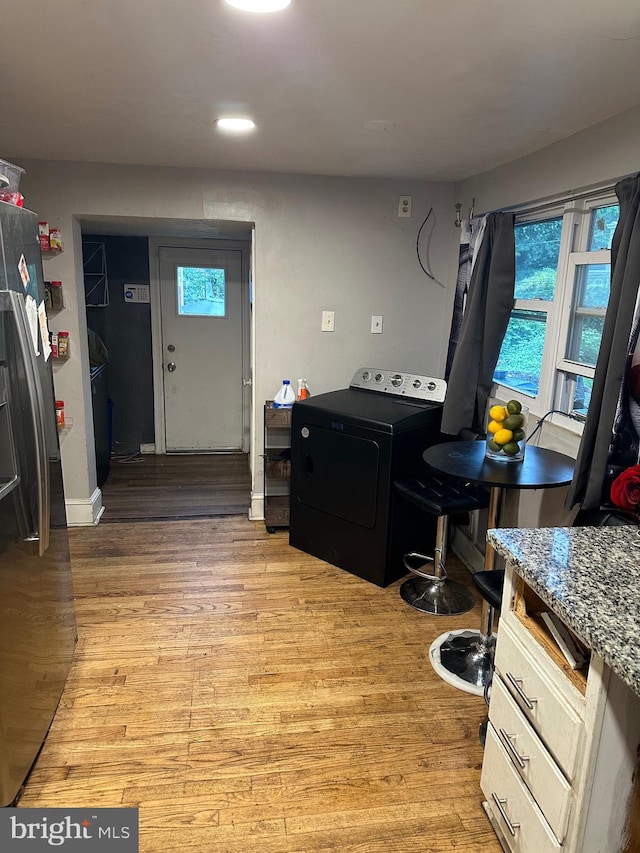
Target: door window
[201, 292]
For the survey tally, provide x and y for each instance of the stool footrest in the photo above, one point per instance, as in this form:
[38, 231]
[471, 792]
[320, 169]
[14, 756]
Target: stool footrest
[414, 562]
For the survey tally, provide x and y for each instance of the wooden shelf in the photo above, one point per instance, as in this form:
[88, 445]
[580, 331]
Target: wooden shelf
[528, 607]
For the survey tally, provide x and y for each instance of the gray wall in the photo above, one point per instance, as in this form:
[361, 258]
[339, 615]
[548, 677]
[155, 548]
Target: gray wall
[321, 243]
[125, 329]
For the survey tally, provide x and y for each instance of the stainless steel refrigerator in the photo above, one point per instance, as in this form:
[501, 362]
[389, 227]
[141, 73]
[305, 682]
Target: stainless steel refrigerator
[37, 619]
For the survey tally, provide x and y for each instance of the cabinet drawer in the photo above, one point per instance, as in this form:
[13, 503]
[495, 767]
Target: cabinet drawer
[530, 759]
[555, 721]
[514, 810]
[277, 417]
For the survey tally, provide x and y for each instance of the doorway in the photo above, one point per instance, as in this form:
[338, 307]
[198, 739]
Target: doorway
[202, 296]
[220, 482]
[201, 331]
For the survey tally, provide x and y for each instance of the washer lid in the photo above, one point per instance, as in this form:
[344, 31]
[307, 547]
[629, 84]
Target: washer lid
[382, 412]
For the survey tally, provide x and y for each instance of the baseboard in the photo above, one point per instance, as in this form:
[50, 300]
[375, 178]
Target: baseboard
[85, 513]
[148, 448]
[256, 510]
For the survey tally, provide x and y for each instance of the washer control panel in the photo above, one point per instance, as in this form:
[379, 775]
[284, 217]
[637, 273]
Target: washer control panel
[399, 384]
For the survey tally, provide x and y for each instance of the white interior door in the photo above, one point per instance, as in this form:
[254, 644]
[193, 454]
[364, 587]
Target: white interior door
[202, 301]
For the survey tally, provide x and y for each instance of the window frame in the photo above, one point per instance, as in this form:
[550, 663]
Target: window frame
[558, 373]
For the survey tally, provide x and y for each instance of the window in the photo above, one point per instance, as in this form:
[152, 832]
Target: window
[563, 263]
[201, 292]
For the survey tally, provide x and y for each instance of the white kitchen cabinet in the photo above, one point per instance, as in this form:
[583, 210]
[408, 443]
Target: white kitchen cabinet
[561, 747]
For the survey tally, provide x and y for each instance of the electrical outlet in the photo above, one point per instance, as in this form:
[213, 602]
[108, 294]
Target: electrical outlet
[328, 321]
[404, 205]
[376, 324]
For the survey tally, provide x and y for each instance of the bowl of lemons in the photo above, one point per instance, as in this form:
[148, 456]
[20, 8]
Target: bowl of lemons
[506, 430]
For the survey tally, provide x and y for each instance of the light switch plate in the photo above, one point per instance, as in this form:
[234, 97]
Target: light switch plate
[376, 324]
[328, 321]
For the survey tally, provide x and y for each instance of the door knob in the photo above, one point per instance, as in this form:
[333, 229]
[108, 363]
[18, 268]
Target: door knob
[171, 366]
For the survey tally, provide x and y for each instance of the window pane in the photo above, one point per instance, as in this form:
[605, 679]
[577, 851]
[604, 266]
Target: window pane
[520, 359]
[582, 395]
[593, 285]
[201, 292]
[585, 333]
[603, 224]
[537, 250]
[584, 343]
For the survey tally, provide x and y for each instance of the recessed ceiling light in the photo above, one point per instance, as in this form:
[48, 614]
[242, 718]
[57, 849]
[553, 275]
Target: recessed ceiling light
[259, 5]
[236, 125]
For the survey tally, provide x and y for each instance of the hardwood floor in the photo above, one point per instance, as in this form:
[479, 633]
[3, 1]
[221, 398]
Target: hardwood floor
[177, 486]
[250, 698]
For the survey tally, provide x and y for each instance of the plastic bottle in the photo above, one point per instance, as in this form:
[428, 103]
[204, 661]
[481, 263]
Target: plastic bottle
[60, 414]
[285, 398]
[303, 390]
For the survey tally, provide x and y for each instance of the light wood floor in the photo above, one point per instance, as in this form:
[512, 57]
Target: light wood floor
[249, 698]
[177, 486]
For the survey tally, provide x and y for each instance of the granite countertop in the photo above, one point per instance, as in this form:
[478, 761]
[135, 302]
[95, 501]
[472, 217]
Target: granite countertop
[590, 577]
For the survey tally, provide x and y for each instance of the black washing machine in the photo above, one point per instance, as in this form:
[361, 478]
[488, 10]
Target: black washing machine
[347, 448]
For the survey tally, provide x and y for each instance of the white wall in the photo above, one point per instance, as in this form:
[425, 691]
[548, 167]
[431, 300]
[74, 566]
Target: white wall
[599, 154]
[321, 243]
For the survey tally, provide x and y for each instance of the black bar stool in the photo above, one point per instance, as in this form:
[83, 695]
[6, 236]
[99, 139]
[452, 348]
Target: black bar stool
[489, 585]
[432, 591]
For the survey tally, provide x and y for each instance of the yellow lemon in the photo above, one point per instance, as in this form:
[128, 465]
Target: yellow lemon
[493, 427]
[497, 413]
[503, 436]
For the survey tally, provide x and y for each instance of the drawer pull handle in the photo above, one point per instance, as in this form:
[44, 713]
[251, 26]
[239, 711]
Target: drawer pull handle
[515, 683]
[510, 826]
[515, 755]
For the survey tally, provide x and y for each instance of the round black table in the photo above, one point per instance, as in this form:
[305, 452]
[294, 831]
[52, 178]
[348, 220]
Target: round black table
[464, 658]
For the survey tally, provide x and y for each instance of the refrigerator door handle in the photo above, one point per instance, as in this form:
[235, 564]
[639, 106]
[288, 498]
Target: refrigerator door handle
[14, 304]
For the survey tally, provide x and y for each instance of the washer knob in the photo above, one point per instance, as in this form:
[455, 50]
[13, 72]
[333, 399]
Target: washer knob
[366, 375]
[431, 386]
[416, 383]
[379, 377]
[396, 380]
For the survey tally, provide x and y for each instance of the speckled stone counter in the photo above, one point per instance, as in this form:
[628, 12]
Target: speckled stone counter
[590, 577]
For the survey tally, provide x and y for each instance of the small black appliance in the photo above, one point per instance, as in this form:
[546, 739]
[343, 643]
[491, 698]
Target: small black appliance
[347, 448]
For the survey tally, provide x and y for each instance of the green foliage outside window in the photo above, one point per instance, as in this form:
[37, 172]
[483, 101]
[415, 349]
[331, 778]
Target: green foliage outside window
[537, 251]
[203, 291]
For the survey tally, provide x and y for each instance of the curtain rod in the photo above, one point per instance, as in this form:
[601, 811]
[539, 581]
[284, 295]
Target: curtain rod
[553, 201]
[537, 205]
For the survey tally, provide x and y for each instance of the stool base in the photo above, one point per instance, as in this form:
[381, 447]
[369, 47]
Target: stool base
[440, 597]
[462, 659]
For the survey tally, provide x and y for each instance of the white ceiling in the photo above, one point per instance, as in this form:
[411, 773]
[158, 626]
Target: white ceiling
[467, 84]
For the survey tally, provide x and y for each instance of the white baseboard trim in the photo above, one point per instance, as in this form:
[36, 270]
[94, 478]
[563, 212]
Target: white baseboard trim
[256, 510]
[148, 448]
[85, 513]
